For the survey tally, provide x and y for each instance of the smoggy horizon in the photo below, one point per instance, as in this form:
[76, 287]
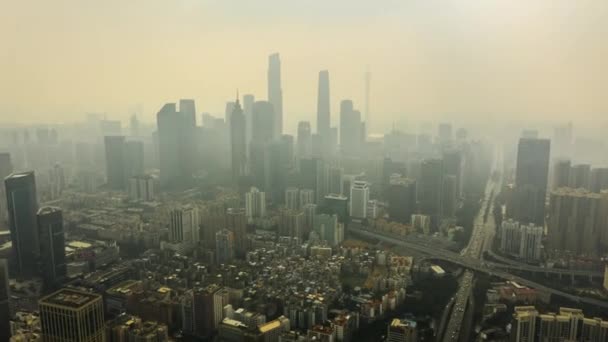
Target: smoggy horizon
[450, 60]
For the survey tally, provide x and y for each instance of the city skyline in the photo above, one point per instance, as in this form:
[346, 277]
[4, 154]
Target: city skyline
[502, 60]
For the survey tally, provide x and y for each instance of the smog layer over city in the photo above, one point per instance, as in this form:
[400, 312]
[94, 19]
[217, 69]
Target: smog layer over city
[304, 171]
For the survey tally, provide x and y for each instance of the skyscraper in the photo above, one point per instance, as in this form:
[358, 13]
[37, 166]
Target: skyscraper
[248, 101]
[290, 224]
[323, 108]
[599, 179]
[402, 331]
[134, 159]
[561, 173]
[236, 221]
[528, 200]
[524, 324]
[184, 226]
[292, 198]
[580, 176]
[71, 315]
[335, 184]
[429, 190]
[176, 144]
[276, 161]
[52, 245]
[401, 197]
[22, 206]
[351, 132]
[359, 196]
[6, 168]
[261, 134]
[224, 246]
[304, 144]
[5, 310]
[576, 221]
[169, 143]
[275, 92]
[255, 204]
[238, 145]
[115, 162]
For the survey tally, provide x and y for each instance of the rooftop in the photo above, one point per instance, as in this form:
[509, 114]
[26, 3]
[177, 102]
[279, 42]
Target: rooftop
[69, 298]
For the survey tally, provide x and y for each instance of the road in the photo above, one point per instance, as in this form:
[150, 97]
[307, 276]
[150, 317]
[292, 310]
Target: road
[473, 251]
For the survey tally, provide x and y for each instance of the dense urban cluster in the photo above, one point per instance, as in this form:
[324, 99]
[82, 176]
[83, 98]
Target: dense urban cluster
[230, 229]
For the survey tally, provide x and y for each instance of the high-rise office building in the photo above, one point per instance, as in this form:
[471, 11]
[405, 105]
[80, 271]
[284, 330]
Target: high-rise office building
[141, 188]
[599, 179]
[134, 159]
[6, 168]
[238, 145]
[453, 165]
[421, 223]
[351, 133]
[329, 229]
[177, 144]
[524, 324]
[444, 133]
[307, 196]
[580, 176]
[236, 221]
[528, 201]
[449, 196]
[115, 162]
[124, 159]
[401, 197]
[429, 189]
[261, 135]
[359, 197]
[292, 198]
[184, 226]
[276, 166]
[323, 108]
[561, 174]
[224, 246]
[71, 315]
[275, 92]
[314, 176]
[52, 245]
[255, 204]
[5, 310]
[248, 100]
[576, 221]
[335, 184]
[57, 181]
[304, 144]
[22, 205]
[290, 223]
[402, 330]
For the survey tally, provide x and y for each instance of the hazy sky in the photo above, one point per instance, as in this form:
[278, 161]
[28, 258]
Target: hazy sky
[433, 59]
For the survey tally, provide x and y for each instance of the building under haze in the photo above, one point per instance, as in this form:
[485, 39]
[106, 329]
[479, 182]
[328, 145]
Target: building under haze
[72, 315]
[275, 92]
[176, 144]
[238, 144]
[527, 203]
[52, 245]
[323, 110]
[6, 168]
[22, 204]
[429, 189]
[576, 222]
[5, 310]
[359, 197]
[351, 129]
